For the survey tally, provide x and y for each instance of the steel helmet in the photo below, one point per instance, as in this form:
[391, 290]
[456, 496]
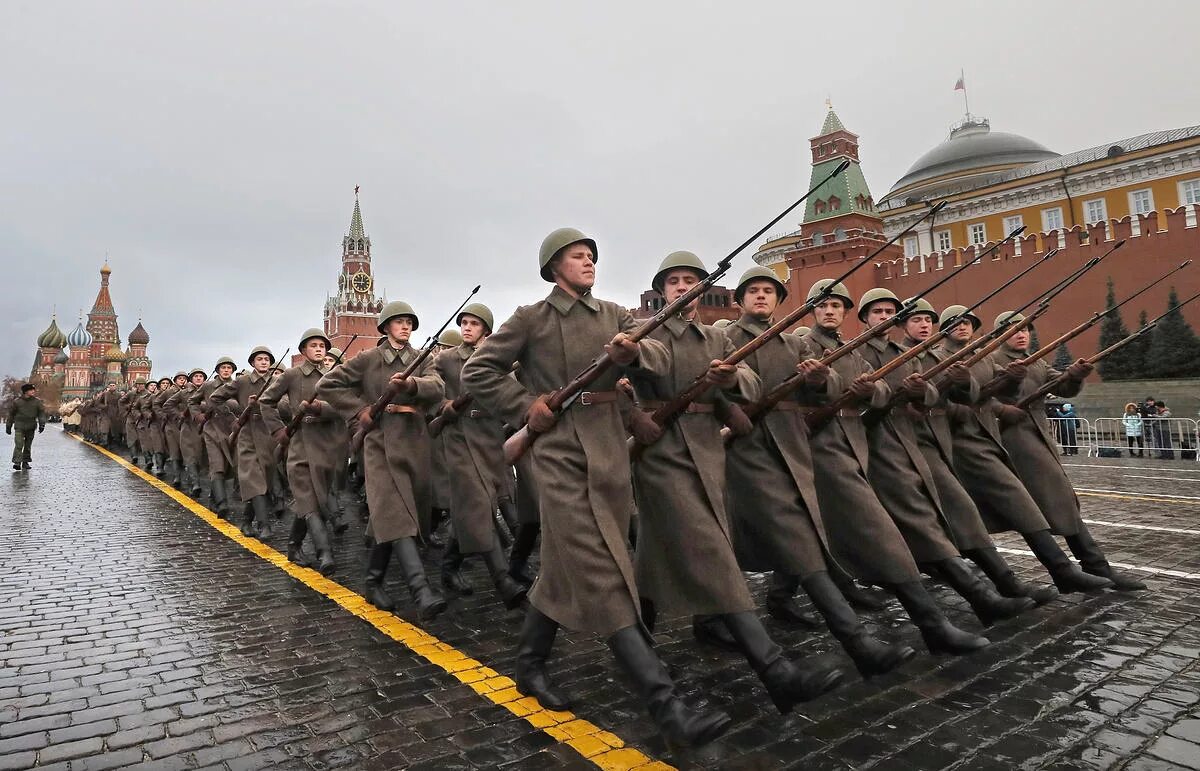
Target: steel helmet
[196, 370]
[1012, 316]
[336, 353]
[759, 273]
[479, 311]
[224, 360]
[309, 334]
[836, 289]
[556, 242]
[956, 313]
[875, 295]
[256, 351]
[451, 338]
[677, 260]
[722, 323]
[392, 310]
[918, 305]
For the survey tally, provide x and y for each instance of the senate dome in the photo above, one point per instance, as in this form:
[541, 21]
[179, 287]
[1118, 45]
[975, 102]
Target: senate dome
[968, 159]
[52, 337]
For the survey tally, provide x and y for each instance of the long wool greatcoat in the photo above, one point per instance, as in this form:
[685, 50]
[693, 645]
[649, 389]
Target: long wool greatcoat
[1033, 450]
[149, 437]
[861, 532]
[772, 496]
[128, 402]
[684, 561]
[315, 449]
[440, 488]
[474, 457]
[169, 421]
[191, 446]
[898, 471]
[217, 426]
[982, 464]
[586, 581]
[935, 440]
[255, 449]
[116, 413]
[397, 451]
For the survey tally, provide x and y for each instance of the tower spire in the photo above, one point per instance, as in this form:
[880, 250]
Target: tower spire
[356, 223]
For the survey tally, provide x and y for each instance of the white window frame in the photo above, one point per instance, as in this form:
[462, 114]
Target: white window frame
[912, 246]
[981, 229]
[1194, 186]
[1133, 194]
[1046, 214]
[1087, 210]
[944, 241]
[1012, 223]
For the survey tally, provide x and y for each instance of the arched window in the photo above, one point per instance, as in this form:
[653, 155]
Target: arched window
[360, 245]
[818, 238]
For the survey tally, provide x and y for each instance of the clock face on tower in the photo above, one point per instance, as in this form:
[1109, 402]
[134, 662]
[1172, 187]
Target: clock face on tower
[361, 282]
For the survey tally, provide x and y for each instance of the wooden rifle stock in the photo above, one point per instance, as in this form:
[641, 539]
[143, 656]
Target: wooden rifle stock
[244, 418]
[439, 422]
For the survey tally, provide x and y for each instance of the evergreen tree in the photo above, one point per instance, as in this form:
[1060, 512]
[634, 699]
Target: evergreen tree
[1034, 343]
[1063, 358]
[1120, 365]
[1175, 350]
[1138, 349]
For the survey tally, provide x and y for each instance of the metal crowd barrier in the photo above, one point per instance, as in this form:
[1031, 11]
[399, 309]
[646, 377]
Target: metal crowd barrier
[1073, 435]
[1162, 438]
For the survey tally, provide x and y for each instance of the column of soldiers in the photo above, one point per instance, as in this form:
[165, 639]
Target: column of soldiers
[909, 477]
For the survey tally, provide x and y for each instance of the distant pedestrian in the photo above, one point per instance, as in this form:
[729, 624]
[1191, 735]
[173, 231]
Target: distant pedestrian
[24, 415]
[1068, 428]
[1163, 428]
[1133, 429]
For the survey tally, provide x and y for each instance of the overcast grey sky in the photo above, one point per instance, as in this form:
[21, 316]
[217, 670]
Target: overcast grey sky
[212, 148]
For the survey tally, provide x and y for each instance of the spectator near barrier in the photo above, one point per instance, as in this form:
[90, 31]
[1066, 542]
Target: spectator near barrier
[1162, 426]
[1132, 421]
[1068, 429]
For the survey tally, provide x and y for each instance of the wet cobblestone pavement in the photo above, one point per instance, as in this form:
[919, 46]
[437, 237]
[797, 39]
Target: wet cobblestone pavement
[134, 633]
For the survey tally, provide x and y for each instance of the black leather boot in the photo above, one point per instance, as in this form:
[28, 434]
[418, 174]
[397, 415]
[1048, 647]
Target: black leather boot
[320, 539]
[295, 550]
[857, 596]
[512, 592]
[439, 528]
[217, 493]
[870, 656]
[337, 515]
[1092, 560]
[377, 565]
[711, 630]
[196, 485]
[939, 634]
[537, 640]
[988, 605]
[781, 601]
[429, 603]
[502, 532]
[508, 510]
[262, 516]
[160, 462]
[452, 577]
[787, 683]
[1066, 574]
[523, 543]
[679, 724]
[1007, 583]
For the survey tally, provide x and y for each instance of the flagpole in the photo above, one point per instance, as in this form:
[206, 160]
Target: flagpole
[962, 75]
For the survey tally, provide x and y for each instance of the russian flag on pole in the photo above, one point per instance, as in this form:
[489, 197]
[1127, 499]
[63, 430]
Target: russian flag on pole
[960, 85]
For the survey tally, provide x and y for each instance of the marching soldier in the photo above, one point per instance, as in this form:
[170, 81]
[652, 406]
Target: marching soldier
[1027, 438]
[864, 534]
[776, 514]
[255, 450]
[148, 436]
[158, 427]
[904, 482]
[171, 416]
[341, 469]
[128, 402]
[473, 443]
[396, 452]
[684, 557]
[191, 444]
[586, 581]
[104, 424]
[26, 414]
[312, 451]
[987, 473]
[439, 517]
[215, 421]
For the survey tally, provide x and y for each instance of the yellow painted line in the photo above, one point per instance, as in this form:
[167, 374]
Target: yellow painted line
[604, 749]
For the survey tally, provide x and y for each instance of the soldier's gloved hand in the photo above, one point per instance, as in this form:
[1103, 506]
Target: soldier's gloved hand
[448, 412]
[959, 374]
[738, 421]
[1080, 370]
[1016, 371]
[643, 427]
[723, 376]
[622, 350]
[815, 373]
[280, 436]
[1009, 415]
[406, 384]
[914, 386]
[365, 421]
[863, 387]
[540, 418]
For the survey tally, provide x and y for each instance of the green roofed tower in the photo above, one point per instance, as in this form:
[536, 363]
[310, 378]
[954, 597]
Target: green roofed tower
[847, 193]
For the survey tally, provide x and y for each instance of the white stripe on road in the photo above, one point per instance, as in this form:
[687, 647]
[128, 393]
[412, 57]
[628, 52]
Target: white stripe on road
[1168, 479]
[1144, 495]
[1132, 526]
[1122, 565]
[1111, 466]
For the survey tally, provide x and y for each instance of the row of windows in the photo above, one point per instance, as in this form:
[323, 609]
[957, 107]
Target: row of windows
[711, 300]
[1094, 210]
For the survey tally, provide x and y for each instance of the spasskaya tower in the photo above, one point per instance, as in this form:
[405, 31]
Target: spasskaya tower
[355, 307]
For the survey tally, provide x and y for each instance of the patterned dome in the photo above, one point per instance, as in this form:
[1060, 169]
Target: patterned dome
[62, 358]
[139, 335]
[114, 354]
[79, 337]
[52, 337]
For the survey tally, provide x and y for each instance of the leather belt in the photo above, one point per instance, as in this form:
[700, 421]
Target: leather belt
[588, 398]
[936, 411]
[649, 405]
[311, 419]
[478, 414]
[400, 408]
[845, 412]
[791, 405]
